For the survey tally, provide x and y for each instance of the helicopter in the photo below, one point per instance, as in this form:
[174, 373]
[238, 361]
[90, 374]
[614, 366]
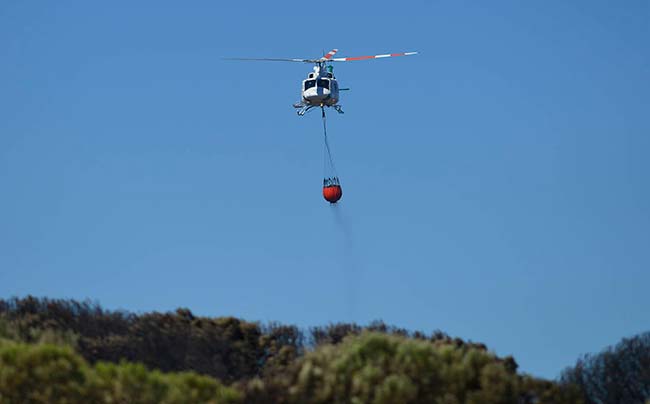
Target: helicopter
[321, 88]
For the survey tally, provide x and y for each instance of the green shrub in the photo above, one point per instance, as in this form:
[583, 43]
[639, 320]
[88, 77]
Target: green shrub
[45, 374]
[382, 369]
[376, 368]
[50, 374]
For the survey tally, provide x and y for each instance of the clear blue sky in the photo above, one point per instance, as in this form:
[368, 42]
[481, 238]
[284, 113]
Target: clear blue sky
[496, 186]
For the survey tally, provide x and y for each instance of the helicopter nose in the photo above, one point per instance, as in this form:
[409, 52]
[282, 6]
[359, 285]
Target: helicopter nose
[315, 94]
[311, 93]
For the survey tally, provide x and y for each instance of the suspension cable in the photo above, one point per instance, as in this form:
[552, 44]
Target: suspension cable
[328, 152]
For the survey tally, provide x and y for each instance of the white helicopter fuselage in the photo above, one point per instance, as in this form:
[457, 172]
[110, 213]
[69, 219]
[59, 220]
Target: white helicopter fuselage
[320, 88]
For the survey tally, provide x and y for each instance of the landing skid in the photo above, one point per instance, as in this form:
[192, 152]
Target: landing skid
[302, 109]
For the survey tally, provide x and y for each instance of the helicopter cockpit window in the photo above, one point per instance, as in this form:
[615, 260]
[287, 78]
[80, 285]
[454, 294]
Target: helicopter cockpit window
[324, 84]
[334, 86]
[309, 83]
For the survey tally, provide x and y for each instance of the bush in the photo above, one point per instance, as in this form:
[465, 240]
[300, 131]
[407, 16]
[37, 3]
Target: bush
[382, 369]
[40, 374]
[51, 374]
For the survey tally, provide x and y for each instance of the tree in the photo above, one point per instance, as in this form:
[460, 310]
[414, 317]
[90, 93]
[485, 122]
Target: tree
[617, 375]
[226, 348]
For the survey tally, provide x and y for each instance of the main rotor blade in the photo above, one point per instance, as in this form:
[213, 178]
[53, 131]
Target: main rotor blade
[329, 54]
[276, 60]
[388, 55]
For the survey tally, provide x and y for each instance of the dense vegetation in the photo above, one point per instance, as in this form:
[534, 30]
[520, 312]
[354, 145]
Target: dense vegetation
[44, 373]
[56, 351]
[619, 374]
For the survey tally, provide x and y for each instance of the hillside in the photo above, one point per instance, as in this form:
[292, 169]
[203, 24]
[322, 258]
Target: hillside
[68, 350]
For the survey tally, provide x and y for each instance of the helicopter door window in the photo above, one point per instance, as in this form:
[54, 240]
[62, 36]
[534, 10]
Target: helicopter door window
[324, 84]
[309, 83]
